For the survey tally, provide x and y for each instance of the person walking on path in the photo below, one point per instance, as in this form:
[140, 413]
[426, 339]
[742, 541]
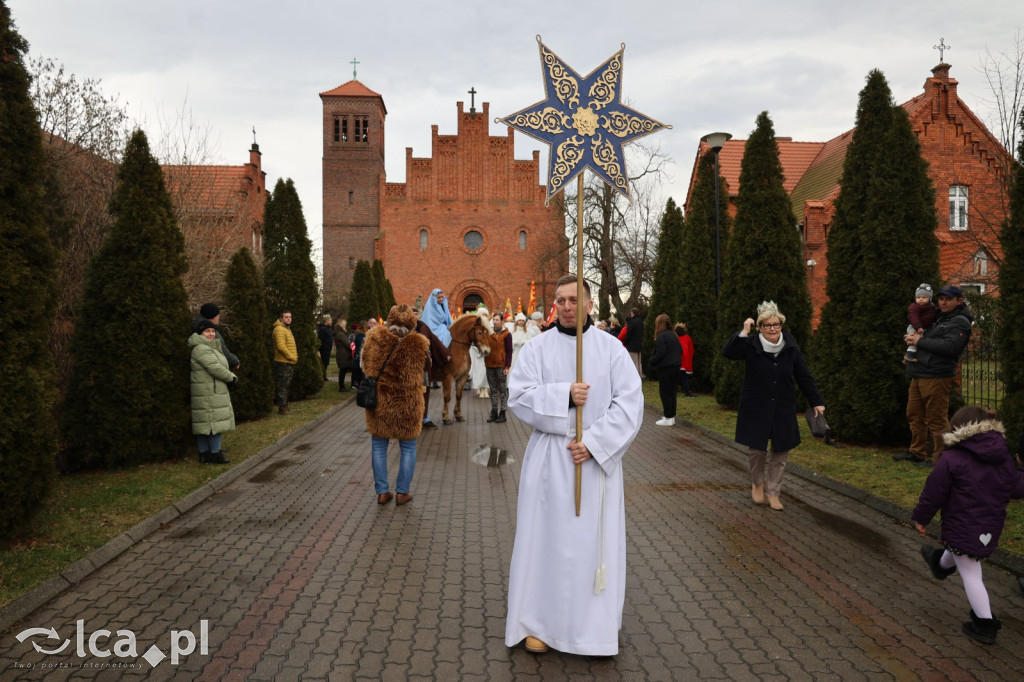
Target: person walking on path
[497, 364]
[404, 355]
[286, 356]
[931, 377]
[212, 413]
[358, 338]
[326, 338]
[686, 365]
[567, 581]
[664, 364]
[519, 336]
[767, 410]
[972, 483]
[343, 352]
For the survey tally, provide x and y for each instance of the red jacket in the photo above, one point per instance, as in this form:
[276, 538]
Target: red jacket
[687, 343]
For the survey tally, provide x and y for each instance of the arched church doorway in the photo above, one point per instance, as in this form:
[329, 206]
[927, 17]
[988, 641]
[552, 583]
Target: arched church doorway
[471, 301]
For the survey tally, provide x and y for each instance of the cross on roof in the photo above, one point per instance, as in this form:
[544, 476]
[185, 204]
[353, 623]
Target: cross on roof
[472, 100]
[354, 63]
[942, 47]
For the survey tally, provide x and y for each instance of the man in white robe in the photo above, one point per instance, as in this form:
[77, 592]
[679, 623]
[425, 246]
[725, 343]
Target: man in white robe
[567, 582]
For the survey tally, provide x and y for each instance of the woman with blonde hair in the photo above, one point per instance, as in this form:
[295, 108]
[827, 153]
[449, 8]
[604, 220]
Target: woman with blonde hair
[664, 363]
[767, 410]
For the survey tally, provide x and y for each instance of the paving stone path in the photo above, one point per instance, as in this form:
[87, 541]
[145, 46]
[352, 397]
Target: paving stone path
[297, 573]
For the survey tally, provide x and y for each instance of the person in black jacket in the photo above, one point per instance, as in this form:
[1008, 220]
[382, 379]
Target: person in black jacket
[768, 402]
[634, 338]
[326, 336]
[931, 377]
[664, 364]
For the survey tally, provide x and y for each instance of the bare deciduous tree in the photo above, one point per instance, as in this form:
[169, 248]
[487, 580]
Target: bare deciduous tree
[620, 236]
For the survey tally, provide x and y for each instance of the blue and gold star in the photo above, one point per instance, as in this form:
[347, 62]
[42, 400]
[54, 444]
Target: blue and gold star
[583, 122]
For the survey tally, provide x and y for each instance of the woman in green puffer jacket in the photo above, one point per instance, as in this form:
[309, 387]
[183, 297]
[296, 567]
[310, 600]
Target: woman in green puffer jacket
[212, 414]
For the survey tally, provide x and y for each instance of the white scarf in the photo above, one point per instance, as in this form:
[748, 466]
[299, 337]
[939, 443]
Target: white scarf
[769, 347]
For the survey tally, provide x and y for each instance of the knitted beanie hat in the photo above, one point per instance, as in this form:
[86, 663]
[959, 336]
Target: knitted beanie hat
[209, 310]
[924, 289]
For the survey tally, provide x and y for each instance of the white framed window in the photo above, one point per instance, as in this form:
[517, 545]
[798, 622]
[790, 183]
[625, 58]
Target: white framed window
[981, 263]
[957, 207]
[976, 287]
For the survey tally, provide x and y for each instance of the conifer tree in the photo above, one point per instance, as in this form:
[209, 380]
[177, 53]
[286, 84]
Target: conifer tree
[290, 279]
[362, 299]
[763, 260]
[127, 400]
[245, 326]
[698, 298]
[28, 275]
[385, 292]
[1011, 305]
[666, 294]
[881, 245]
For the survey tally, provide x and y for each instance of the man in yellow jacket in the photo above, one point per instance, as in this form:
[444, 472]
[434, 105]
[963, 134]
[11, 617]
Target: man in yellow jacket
[286, 356]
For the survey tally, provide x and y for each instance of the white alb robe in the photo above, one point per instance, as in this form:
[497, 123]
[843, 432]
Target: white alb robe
[557, 555]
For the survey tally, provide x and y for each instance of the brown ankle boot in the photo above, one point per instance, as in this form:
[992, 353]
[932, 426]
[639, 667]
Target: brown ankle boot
[757, 493]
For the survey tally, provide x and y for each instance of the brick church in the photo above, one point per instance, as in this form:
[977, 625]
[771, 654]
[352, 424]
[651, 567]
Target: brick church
[967, 165]
[469, 219]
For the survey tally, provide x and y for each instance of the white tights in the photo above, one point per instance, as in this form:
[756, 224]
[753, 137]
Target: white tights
[974, 586]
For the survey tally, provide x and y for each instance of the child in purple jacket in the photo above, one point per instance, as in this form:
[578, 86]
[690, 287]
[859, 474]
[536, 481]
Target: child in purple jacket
[921, 314]
[972, 482]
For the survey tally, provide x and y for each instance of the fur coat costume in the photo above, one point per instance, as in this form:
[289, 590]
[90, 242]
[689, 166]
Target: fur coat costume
[399, 411]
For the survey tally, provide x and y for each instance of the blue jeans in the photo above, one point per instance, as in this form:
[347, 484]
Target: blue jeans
[406, 465]
[208, 443]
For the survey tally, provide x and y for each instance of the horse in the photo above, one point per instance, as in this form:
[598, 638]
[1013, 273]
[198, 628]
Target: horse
[468, 330]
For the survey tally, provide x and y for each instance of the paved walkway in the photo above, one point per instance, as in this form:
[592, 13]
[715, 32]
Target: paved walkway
[299, 574]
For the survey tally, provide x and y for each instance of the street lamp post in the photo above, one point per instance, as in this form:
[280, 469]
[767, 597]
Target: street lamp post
[716, 141]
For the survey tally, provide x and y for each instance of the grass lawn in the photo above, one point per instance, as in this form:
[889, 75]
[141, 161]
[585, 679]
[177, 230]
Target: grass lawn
[863, 467]
[84, 511]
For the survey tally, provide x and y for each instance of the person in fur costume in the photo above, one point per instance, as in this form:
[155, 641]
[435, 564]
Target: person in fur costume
[972, 482]
[399, 411]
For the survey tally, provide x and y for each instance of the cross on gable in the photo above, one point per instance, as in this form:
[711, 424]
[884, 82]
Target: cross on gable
[354, 63]
[472, 100]
[942, 47]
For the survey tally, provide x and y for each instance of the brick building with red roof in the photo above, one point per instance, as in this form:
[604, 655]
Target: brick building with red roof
[469, 219]
[967, 166]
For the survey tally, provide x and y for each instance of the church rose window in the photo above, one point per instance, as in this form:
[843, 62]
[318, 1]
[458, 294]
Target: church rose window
[473, 240]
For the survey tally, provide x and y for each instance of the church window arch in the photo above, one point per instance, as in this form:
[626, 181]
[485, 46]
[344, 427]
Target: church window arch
[423, 238]
[522, 240]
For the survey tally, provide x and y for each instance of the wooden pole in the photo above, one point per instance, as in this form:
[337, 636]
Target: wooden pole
[579, 325]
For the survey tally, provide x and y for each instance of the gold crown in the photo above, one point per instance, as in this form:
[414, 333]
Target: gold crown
[767, 307]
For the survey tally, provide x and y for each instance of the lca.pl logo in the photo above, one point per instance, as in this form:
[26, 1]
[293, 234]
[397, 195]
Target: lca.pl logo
[182, 643]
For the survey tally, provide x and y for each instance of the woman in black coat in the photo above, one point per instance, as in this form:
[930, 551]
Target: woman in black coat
[768, 402]
[664, 363]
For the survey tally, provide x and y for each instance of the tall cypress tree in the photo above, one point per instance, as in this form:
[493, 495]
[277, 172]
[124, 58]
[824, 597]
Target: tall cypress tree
[290, 278]
[245, 325]
[1011, 304]
[28, 277]
[362, 299]
[385, 292]
[127, 399]
[764, 257]
[666, 294]
[881, 245]
[699, 300]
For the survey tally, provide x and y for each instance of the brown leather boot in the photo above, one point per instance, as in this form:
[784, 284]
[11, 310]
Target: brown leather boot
[757, 493]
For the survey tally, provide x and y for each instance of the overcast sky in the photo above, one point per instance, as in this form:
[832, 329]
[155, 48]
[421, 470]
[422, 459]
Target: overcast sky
[698, 66]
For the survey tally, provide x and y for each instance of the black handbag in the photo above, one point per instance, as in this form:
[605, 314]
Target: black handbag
[366, 394]
[818, 426]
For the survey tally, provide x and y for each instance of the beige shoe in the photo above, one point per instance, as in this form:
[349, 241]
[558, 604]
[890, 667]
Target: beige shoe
[534, 645]
[773, 502]
[757, 493]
